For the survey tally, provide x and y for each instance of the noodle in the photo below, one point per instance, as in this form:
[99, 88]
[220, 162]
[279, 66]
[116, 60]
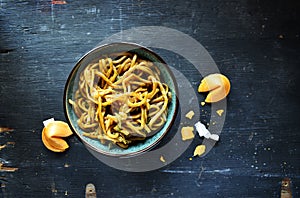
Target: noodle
[121, 101]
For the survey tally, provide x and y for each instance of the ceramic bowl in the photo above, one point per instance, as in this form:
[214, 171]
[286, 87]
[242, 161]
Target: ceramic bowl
[72, 85]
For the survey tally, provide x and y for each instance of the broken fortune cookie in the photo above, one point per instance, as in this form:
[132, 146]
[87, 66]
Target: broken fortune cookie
[217, 85]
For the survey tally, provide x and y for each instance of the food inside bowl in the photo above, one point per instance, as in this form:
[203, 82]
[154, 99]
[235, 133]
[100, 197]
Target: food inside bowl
[121, 99]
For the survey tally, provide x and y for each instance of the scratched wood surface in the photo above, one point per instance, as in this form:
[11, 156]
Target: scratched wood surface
[255, 43]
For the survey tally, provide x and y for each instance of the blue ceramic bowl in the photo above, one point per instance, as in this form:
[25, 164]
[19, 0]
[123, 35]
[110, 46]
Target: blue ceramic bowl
[72, 85]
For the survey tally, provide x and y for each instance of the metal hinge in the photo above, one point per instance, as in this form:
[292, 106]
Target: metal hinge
[90, 191]
[286, 191]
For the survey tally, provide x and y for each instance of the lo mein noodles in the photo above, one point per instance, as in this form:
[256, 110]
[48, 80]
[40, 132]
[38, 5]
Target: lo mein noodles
[121, 100]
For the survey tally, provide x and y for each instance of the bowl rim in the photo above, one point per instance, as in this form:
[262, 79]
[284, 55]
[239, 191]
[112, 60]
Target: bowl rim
[77, 66]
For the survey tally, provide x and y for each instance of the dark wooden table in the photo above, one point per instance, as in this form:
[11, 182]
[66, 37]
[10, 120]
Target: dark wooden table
[255, 43]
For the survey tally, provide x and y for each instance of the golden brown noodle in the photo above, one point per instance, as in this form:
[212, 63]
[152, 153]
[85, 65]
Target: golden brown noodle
[121, 100]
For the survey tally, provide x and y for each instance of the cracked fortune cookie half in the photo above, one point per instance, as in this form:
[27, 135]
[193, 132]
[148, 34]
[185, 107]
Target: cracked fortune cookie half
[217, 85]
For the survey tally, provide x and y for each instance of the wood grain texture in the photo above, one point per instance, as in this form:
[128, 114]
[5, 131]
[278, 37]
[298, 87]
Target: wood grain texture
[255, 43]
